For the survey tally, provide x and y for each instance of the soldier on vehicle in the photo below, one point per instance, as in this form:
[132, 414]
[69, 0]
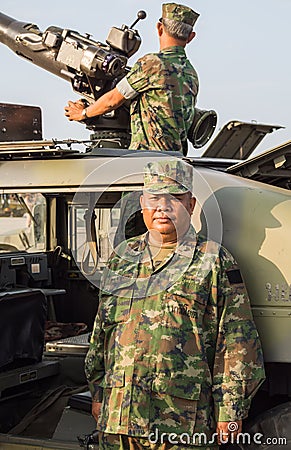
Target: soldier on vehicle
[174, 355]
[162, 87]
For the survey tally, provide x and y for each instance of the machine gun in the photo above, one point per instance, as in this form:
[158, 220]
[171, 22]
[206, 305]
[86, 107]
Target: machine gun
[92, 68]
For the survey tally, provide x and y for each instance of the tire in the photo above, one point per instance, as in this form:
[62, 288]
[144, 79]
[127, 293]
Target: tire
[269, 428]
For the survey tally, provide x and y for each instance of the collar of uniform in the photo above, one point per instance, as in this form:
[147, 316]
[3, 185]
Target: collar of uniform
[175, 49]
[186, 246]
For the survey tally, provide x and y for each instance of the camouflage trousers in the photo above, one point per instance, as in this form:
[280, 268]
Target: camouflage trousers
[124, 442]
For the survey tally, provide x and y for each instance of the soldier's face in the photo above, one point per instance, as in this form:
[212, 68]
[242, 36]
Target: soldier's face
[166, 214]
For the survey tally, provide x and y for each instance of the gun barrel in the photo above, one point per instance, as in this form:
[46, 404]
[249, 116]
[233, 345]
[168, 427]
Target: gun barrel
[26, 40]
[19, 36]
[5, 22]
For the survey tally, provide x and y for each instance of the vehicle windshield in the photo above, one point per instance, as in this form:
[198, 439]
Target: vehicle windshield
[22, 222]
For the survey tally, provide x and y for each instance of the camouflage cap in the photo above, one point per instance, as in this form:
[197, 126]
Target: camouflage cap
[180, 13]
[168, 177]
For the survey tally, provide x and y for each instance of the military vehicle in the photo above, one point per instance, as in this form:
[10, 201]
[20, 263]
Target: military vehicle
[75, 211]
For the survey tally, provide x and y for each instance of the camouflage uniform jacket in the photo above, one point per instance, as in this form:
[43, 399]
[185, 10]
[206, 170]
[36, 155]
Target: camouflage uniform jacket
[173, 348]
[163, 111]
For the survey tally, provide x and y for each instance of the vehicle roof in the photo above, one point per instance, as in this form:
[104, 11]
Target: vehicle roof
[74, 171]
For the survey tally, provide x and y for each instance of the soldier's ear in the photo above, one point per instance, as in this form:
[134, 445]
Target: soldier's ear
[141, 201]
[192, 204]
[160, 29]
[191, 36]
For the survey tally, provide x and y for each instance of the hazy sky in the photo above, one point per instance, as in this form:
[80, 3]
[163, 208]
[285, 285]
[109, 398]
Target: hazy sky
[241, 53]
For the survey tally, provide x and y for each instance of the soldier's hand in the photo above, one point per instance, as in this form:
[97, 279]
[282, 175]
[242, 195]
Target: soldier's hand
[96, 408]
[73, 111]
[228, 431]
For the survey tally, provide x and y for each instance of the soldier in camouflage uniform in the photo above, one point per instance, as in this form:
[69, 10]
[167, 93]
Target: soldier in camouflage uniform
[174, 355]
[162, 86]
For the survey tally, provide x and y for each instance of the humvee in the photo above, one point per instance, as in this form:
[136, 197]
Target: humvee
[75, 210]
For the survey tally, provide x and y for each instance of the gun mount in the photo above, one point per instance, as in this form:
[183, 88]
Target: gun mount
[91, 67]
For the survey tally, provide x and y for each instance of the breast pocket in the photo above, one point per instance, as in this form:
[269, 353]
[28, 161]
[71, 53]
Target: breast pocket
[116, 302]
[184, 311]
[174, 405]
[188, 299]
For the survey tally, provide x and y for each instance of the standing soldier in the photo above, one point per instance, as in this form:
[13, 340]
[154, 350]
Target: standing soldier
[175, 356]
[162, 87]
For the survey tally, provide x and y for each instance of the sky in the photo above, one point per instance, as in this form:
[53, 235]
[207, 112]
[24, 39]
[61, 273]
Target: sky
[241, 53]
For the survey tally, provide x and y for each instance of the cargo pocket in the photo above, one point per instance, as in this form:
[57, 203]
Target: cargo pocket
[113, 393]
[174, 405]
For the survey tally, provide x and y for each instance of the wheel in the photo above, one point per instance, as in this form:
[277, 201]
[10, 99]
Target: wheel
[270, 430]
